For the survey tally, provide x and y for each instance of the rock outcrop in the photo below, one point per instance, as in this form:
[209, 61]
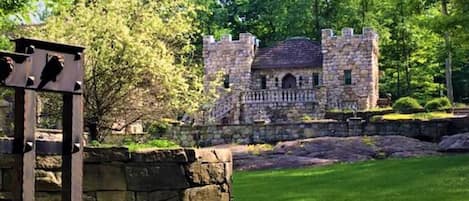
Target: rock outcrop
[455, 143]
[328, 150]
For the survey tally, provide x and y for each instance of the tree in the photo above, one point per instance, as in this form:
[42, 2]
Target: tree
[449, 59]
[137, 60]
[11, 11]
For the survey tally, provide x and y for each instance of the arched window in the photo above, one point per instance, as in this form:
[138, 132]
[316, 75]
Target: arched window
[289, 81]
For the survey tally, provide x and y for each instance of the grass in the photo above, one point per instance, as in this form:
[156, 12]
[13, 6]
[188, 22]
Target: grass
[417, 116]
[134, 146]
[418, 179]
[161, 144]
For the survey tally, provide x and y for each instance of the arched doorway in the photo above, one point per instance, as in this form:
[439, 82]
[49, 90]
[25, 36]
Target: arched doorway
[289, 81]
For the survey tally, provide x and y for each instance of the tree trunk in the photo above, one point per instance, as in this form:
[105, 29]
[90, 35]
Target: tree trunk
[317, 22]
[448, 62]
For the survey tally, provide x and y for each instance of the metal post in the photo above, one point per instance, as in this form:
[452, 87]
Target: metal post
[72, 151]
[24, 144]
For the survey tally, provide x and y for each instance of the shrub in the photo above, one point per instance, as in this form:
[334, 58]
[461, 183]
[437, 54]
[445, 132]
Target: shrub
[158, 128]
[460, 105]
[406, 105]
[307, 118]
[376, 118]
[438, 104]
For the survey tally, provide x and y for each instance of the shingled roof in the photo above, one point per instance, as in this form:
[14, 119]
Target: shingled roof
[291, 53]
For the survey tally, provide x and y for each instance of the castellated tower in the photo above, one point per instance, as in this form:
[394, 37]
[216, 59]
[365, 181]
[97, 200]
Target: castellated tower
[350, 69]
[233, 59]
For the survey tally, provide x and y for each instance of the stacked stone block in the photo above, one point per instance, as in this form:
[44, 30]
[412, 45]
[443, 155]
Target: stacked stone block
[231, 58]
[272, 133]
[358, 53]
[306, 75]
[115, 174]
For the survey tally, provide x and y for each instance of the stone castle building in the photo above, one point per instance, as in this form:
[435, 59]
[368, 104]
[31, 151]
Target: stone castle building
[292, 80]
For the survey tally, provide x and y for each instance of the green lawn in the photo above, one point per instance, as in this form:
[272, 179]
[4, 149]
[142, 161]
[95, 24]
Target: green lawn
[417, 116]
[422, 179]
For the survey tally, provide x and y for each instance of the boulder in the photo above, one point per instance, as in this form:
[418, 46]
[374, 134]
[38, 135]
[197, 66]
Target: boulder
[326, 150]
[455, 143]
[211, 192]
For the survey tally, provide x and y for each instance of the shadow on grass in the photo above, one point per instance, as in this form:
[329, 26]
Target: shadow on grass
[421, 179]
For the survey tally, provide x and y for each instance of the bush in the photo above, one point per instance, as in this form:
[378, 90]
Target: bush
[406, 105]
[438, 104]
[376, 118]
[158, 128]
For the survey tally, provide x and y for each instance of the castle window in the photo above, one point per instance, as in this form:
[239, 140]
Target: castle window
[348, 77]
[263, 82]
[300, 81]
[276, 82]
[315, 79]
[226, 81]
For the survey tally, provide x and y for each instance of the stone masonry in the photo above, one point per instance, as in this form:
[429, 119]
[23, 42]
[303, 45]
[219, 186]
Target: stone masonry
[294, 78]
[359, 54]
[233, 59]
[210, 135]
[115, 174]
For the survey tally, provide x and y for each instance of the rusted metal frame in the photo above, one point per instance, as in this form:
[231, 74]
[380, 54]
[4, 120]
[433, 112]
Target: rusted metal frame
[72, 150]
[42, 147]
[24, 144]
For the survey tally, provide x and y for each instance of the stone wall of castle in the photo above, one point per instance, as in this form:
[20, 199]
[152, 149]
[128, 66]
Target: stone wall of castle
[357, 54]
[232, 58]
[304, 77]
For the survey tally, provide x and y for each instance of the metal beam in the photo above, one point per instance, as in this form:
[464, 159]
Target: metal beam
[24, 144]
[72, 152]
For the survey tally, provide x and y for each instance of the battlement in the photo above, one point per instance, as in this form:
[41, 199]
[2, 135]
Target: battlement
[347, 33]
[244, 38]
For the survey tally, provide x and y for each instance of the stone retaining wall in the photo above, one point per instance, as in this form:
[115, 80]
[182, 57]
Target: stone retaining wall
[114, 174]
[365, 115]
[272, 133]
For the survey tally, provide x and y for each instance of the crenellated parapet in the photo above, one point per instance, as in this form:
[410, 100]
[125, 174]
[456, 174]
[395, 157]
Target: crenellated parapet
[347, 33]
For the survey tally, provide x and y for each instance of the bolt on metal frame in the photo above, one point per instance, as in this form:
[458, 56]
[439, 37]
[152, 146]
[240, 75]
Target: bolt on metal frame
[53, 67]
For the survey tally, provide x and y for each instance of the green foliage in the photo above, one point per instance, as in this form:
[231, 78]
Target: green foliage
[460, 105]
[369, 141]
[412, 49]
[380, 180]
[94, 143]
[376, 118]
[438, 104]
[158, 127]
[159, 143]
[406, 105]
[307, 118]
[135, 146]
[138, 58]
